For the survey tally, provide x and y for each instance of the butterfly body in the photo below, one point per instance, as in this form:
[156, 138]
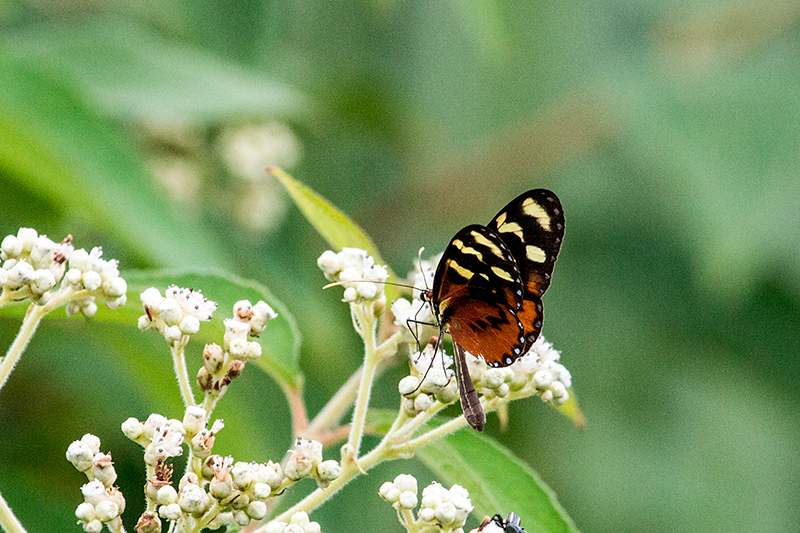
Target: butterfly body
[488, 285]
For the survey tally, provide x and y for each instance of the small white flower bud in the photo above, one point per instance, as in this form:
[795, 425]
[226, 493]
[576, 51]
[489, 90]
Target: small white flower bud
[299, 519]
[43, 281]
[367, 290]
[11, 246]
[387, 487]
[422, 402]
[445, 513]
[253, 350]
[406, 482]
[240, 516]
[103, 469]
[89, 309]
[3, 277]
[312, 527]
[547, 395]
[91, 280]
[194, 420]
[20, 274]
[94, 492]
[95, 526]
[79, 260]
[132, 429]
[92, 441]
[238, 348]
[166, 495]
[221, 488]
[271, 475]
[85, 512]
[427, 514]
[170, 312]
[170, 512]
[257, 510]
[27, 237]
[558, 389]
[261, 491]
[106, 511]
[503, 390]
[174, 333]
[73, 276]
[275, 527]
[189, 325]
[328, 470]
[151, 298]
[193, 499]
[493, 378]
[329, 262]
[408, 385]
[350, 295]
[407, 500]
[542, 379]
[80, 455]
[115, 287]
[144, 323]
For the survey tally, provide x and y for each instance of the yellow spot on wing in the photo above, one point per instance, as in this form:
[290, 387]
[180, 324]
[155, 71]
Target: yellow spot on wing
[511, 227]
[472, 251]
[481, 239]
[464, 272]
[500, 273]
[535, 254]
[531, 208]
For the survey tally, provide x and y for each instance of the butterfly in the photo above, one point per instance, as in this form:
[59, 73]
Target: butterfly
[509, 525]
[487, 289]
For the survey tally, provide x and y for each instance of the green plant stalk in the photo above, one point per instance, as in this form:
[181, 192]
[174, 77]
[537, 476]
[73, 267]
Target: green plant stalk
[364, 316]
[33, 316]
[181, 373]
[8, 521]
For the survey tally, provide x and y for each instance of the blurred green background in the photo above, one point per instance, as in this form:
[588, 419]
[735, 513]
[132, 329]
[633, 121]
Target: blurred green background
[670, 131]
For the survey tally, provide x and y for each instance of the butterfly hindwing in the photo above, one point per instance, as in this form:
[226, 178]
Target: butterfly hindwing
[479, 291]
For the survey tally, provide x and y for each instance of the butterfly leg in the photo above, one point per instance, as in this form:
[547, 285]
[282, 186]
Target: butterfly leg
[470, 403]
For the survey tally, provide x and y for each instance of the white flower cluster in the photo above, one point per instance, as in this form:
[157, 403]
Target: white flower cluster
[444, 509]
[32, 265]
[298, 523]
[305, 460]
[248, 150]
[88, 271]
[412, 317]
[222, 364]
[538, 371]
[177, 314]
[161, 438]
[362, 278]
[103, 502]
[436, 377]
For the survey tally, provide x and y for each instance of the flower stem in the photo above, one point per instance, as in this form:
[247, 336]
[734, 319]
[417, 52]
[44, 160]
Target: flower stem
[179, 364]
[33, 316]
[8, 521]
[367, 320]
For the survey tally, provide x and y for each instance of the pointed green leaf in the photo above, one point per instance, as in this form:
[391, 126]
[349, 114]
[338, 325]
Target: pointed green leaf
[497, 481]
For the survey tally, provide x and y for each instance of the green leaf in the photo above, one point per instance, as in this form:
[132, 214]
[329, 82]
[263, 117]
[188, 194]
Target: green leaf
[280, 340]
[85, 165]
[334, 226]
[148, 77]
[497, 480]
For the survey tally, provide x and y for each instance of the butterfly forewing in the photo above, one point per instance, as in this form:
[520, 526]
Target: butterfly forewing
[478, 291]
[532, 226]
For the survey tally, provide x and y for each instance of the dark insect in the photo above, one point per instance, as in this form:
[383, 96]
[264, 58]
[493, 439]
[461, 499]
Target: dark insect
[487, 290]
[509, 525]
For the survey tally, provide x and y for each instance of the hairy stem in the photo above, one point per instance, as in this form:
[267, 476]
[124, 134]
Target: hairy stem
[179, 364]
